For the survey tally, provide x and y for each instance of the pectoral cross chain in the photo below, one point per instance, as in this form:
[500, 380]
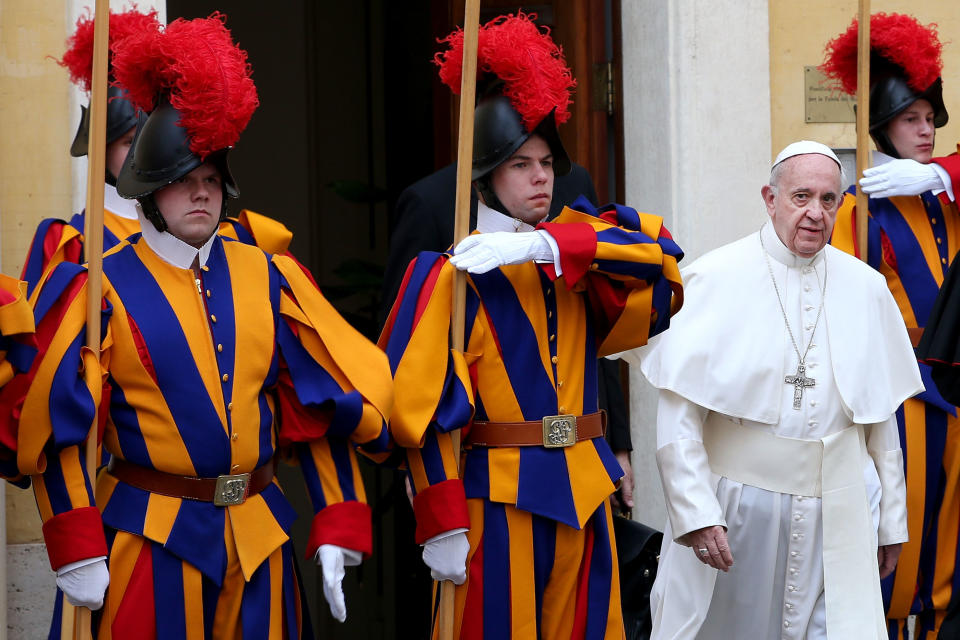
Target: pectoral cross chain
[799, 381]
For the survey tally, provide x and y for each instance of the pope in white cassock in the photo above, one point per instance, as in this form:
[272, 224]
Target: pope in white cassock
[776, 435]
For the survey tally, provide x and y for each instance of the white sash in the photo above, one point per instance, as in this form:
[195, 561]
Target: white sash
[831, 469]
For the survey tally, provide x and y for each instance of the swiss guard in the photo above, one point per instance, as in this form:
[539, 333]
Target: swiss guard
[525, 528]
[913, 235]
[216, 360]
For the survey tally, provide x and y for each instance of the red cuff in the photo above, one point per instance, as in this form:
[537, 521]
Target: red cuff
[345, 524]
[951, 164]
[74, 535]
[578, 247]
[440, 507]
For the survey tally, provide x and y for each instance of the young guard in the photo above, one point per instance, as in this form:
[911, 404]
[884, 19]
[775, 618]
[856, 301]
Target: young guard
[525, 528]
[216, 359]
[912, 238]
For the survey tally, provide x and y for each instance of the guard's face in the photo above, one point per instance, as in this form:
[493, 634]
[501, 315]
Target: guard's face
[191, 205]
[524, 183]
[912, 132]
[117, 152]
[803, 205]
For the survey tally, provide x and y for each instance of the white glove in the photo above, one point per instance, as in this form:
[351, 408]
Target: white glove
[332, 559]
[84, 582]
[446, 555]
[900, 178]
[482, 252]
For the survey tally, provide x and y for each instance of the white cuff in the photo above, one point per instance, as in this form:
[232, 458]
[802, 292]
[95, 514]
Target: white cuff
[70, 566]
[555, 250]
[445, 534]
[945, 179]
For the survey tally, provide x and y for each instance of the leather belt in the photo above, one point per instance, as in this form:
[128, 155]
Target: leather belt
[915, 333]
[223, 490]
[549, 431]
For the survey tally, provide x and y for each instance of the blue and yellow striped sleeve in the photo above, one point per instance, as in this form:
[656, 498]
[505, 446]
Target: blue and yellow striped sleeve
[57, 414]
[627, 262]
[434, 393]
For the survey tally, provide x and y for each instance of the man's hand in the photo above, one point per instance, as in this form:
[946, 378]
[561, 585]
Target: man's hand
[84, 585]
[626, 484]
[900, 178]
[482, 252]
[332, 559]
[446, 555]
[710, 546]
[887, 557]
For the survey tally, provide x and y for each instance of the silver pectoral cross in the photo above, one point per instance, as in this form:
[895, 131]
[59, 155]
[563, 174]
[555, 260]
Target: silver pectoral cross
[799, 381]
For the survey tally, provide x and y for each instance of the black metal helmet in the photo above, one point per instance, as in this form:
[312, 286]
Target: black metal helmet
[905, 66]
[160, 155]
[890, 96]
[121, 117]
[498, 131]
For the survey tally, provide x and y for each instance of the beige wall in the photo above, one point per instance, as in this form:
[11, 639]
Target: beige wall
[35, 176]
[798, 33]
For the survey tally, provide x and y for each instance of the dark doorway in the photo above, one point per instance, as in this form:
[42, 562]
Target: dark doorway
[351, 113]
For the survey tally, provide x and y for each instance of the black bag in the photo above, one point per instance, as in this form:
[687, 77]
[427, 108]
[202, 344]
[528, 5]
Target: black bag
[638, 551]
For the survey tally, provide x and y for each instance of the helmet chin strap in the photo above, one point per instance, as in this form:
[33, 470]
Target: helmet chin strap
[485, 187]
[882, 140]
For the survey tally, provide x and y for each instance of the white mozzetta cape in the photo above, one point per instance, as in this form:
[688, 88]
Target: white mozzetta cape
[724, 349]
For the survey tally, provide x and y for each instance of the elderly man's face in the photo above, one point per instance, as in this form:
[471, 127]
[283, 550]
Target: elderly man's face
[803, 204]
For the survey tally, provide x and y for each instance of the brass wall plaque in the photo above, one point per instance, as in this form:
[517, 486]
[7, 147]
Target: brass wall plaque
[823, 104]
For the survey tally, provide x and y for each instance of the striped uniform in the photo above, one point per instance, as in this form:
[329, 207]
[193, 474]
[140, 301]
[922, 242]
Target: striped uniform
[16, 354]
[911, 241]
[542, 562]
[195, 384]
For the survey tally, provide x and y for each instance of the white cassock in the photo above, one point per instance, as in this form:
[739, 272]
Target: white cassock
[804, 546]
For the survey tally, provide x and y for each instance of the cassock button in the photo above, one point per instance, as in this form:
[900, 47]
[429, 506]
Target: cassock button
[234, 467]
[939, 241]
[549, 314]
[554, 359]
[213, 318]
[561, 408]
[786, 624]
[205, 268]
[793, 554]
[208, 293]
[933, 221]
[791, 588]
[594, 266]
[226, 377]
[219, 347]
[234, 437]
[559, 383]
[943, 260]
[229, 406]
[553, 337]
[789, 606]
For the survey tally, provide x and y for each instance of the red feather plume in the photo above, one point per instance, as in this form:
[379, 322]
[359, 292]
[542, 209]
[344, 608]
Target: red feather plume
[898, 38]
[78, 59]
[523, 55]
[205, 74]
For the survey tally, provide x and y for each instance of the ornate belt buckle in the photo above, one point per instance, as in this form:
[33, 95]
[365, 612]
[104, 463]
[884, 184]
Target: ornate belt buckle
[231, 490]
[559, 431]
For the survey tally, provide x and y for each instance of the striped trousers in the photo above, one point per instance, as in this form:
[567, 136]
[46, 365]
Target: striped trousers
[532, 577]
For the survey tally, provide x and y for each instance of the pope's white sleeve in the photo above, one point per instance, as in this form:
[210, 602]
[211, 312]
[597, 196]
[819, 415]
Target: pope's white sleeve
[684, 470]
[883, 445]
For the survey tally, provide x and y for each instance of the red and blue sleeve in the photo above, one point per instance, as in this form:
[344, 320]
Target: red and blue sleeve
[627, 262]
